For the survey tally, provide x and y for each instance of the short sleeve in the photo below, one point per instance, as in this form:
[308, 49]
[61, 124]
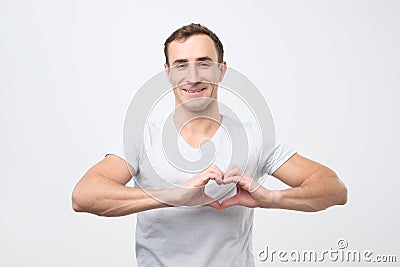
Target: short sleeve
[272, 154]
[128, 149]
[279, 155]
[118, 150]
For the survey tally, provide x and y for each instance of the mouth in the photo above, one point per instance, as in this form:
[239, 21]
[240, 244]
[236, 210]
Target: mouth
[191, 91]
[194, 93]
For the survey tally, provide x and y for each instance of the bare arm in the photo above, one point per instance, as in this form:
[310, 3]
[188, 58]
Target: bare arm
[102, 191]
[314, 187]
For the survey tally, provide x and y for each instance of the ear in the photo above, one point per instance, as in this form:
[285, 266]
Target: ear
[167, 72]
[222, 70]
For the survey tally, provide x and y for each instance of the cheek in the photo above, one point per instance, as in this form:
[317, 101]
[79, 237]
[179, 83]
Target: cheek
[176, 92]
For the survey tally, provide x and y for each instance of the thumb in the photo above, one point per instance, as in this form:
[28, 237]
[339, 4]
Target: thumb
[229, 202]
[213, 203]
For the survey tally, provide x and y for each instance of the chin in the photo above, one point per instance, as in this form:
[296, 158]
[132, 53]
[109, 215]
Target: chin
[197, 105]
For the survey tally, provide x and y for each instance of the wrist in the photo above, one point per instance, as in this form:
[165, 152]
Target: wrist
[164, 197]
[275, 198]
[271, 198]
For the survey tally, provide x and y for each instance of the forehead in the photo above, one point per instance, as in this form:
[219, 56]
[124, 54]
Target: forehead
[196, 46]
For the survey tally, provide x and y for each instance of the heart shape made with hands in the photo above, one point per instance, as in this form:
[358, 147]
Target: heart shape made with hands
[246, 189]
[249, 193]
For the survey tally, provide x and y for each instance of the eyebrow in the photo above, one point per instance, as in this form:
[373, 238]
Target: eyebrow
[197, 59]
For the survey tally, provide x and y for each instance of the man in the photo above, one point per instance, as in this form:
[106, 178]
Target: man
[212, 229]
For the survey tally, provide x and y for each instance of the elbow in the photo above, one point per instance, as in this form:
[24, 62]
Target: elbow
[76, 206]
[84, 200]
[80, 200]
[342, 195]
[338, 192]
[337, 196]
[76, 202]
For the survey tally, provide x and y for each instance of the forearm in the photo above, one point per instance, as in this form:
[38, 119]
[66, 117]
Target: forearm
[104, 197]
[318, 192]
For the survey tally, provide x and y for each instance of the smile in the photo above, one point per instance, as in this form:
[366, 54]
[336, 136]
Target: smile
[194, 91]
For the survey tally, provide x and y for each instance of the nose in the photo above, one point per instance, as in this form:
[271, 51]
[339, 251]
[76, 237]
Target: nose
[192, 75]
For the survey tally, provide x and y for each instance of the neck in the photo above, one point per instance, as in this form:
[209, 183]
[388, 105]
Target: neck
[195, 126]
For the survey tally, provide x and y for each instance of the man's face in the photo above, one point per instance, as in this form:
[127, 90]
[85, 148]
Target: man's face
[194, 72]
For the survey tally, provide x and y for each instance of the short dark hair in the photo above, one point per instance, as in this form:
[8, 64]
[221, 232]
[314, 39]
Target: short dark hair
[187, 31]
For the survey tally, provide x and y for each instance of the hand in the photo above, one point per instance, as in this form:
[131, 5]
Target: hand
[249, 192]
[191, 192]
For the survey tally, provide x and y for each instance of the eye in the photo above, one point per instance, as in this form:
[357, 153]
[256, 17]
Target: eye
[181, 66]
[204, 64]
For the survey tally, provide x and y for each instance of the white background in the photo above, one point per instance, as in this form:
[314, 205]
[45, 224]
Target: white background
[68, 70]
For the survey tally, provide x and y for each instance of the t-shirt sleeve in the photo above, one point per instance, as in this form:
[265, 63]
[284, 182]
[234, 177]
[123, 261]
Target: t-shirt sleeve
[279, 155]
[272, 153]
[118, 150]
[128, 150]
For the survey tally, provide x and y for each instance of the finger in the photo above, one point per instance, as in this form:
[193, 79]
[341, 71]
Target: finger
[232, 170]
[214, 168]
[204, 178]
[231, 179]
[216, 174]
[213, 176]
[220, 180]
[243, 181]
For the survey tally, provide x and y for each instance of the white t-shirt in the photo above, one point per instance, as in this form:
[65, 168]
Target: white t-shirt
[196, 236]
